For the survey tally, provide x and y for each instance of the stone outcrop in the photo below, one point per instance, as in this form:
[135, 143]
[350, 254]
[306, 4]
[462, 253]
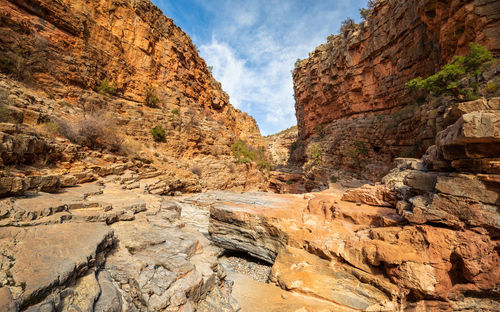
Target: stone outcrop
[57, 56]
[281, 144]
[365, 68]
[103, 248]
[350, 93]
[424, 240]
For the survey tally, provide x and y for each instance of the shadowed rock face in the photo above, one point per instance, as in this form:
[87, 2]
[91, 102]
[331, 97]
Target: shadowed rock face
[365, 68]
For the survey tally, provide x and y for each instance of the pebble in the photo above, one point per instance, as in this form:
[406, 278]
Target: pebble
[256, 270]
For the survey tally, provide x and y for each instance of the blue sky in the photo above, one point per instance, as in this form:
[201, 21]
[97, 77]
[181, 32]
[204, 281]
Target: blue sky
[253, 45]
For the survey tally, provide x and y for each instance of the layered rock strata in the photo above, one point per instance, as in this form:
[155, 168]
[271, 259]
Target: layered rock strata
[365, 68]
[102, 248]
[350, 95]
[74, 60]
[424, 240]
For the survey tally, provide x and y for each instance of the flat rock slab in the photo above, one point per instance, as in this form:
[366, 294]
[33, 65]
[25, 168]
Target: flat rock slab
[255, 296]
[299, 271]
[49, 255]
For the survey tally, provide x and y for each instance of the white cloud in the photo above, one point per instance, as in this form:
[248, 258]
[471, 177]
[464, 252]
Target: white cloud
[254, 46]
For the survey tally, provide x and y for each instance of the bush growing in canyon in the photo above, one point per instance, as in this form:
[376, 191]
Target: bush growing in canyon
[491, 87]
[447, 80]
[159, 134]
[333, 179]
[93, 131]
[247, 154]
[106, 87]
[7, 65]
[365, 12]
[361, 148]
[151, 99]
[316, 153]
[346, 25]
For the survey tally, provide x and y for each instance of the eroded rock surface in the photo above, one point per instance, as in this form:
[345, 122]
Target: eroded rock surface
[421, 241]
[100, 248]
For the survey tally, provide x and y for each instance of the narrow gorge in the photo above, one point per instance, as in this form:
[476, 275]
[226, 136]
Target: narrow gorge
[129, 182]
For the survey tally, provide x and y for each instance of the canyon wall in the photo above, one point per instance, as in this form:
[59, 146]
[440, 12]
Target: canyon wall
[66, 47]
[365, 68]
[93, 62]
[350, 93]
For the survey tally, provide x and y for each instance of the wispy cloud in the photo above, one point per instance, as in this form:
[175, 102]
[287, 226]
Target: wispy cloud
[253, 45]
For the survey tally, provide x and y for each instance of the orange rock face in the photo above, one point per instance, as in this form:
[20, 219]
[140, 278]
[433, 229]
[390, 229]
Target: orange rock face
[365, 68]
[65, 47]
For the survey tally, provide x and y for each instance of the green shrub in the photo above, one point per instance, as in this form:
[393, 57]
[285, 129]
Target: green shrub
[52, 127]
[158, 134]
[446, 81]
[361, 148]
[247, 154]
[290, 182]
[106, 87]
[333, 179]
[7, 65]
[316, 153]
[175, 111]
[151, 99]
[491, 87]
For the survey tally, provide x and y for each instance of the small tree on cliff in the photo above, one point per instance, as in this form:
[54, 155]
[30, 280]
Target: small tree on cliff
[447, 80]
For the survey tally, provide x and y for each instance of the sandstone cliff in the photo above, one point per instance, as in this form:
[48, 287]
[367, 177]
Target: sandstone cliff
[58, 54]
[350, 93]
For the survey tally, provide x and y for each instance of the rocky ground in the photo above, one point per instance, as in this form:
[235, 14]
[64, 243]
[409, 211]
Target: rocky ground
[426, 239]
[104, 248]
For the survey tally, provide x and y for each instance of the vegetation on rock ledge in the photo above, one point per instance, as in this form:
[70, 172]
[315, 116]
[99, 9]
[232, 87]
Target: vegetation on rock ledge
[106, 87]
[450, 79]
[151, 99]
[247, 154]
[159, 134]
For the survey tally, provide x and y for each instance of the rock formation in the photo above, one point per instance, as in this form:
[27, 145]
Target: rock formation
[104, 248]
[424, 240]
[106, 109]
[350, 92]
[77, 60]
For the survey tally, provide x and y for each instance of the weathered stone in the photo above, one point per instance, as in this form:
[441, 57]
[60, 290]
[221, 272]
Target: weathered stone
[302, 272]
[69, 250]
[422, 181]
[85, 293]
[6, 301]
[487, 165]
[469, 186]
[378, 195]
[476, 127]
[110, 298]
[352, 72]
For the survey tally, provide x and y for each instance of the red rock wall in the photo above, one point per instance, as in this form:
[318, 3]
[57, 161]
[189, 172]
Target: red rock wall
[365, 69]
[68, 46]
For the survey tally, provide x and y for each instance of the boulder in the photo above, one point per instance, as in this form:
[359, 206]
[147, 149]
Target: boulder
[374, 195]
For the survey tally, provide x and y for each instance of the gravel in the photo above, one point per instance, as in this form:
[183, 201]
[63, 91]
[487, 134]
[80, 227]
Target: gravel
[244, 264]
